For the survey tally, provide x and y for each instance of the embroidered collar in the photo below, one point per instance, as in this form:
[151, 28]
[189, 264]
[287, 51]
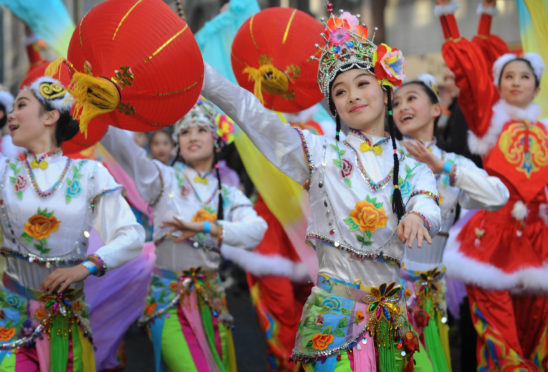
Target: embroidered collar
[41, 160]
[369, 138]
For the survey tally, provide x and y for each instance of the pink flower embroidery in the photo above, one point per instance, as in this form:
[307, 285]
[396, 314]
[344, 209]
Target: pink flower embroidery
[20, 183]
[339, 36]
[346, 169]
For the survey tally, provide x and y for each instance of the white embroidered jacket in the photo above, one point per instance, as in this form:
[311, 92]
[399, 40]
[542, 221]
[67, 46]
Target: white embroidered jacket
[180, 191]
[469, 186]
[42, 233]
[351, 222]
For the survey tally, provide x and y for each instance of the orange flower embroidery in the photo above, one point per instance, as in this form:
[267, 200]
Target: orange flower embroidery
[150, 309]
[359, 316]
[6, 333]
[40, 314]
[321, 342]
[204, 215]
[368, 216]
[41, 225]
[173, 286]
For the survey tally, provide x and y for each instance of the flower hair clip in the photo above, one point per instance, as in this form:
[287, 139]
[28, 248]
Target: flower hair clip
[347, 46]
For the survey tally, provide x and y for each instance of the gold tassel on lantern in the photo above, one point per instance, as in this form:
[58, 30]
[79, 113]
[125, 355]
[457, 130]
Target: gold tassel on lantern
[93, 96]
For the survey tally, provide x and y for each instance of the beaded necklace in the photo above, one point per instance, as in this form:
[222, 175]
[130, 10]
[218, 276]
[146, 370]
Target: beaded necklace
[196, 193]
[366, 145]
[51, 190]
[372, 184]
[41, 162]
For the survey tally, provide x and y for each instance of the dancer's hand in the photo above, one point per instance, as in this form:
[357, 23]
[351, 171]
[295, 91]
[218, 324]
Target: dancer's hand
[421, 153]
[187, 229]
[411, 227]
[61, 279]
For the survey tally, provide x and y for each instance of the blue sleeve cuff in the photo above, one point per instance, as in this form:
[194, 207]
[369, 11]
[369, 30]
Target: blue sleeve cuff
[91, 267]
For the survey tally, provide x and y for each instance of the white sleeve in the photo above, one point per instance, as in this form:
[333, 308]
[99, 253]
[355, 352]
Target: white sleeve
[145, 172]
[278, 142]
[424, 198]
[479, 190]
[244, 229]
[114, 222]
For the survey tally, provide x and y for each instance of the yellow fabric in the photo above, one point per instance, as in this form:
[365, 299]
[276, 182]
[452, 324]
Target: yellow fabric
[88, 357]
[93, 96]
[231, 352]
[444, 338]
[534, 37]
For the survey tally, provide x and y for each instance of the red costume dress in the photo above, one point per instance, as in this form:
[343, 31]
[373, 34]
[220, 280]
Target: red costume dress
[503, 255]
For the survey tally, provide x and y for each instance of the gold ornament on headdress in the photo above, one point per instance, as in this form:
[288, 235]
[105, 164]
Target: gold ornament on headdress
[51, 90]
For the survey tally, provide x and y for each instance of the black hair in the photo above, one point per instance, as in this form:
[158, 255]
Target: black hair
[434, 99]
[537, 81]
[397, 202]
[165, 131]
[4, 120]
[66, 127]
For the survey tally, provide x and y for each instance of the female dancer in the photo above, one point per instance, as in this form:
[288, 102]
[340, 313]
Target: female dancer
[358, 216]
[49, 203]
[186, 311]
[416, 110]
[503, 255]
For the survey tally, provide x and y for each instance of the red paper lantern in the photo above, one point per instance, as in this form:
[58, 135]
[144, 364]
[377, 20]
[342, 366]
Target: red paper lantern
[271, 58]
[148, 52]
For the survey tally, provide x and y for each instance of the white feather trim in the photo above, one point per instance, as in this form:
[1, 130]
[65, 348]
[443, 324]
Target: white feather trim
[491, 10]
[6, 99]
[534, 59]
[519, 210]
[61, 104]
[502, 113]
[490, 277]
[440, 10]
[264, 265]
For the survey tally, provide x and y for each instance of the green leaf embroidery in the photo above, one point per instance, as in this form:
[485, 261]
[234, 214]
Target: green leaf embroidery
[345, 311]
[367, 243]
[13, 166]
[348, 182]
[19, 194]
[368, 233]
[309, 343]
[327, 330]
[27, 237]
[69, 181]
[342, 323]
[13, 179]
[352, 225]
[338, 163]
[67, 198]
[339, 332]
[360, 239]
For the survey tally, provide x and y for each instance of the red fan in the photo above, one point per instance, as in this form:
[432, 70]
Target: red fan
[271, 58]
[147, 52]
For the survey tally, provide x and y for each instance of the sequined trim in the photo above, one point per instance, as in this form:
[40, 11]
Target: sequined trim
[435, 197]
[103, 193]
[306, 151]
[42, 261]
[354, 252]
[98, 261]
[453, 175]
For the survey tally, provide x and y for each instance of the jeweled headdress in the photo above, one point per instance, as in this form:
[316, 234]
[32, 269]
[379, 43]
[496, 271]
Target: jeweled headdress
[347, 46]
[205, 114]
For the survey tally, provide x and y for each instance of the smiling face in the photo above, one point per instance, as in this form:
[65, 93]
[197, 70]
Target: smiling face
[29, 123]
[161, 146]
[517, 84]
[359, 100]
[196, 145]
[414, 112]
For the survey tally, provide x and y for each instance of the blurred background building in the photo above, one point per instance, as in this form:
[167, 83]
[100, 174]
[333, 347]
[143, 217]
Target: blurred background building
[409, 25]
